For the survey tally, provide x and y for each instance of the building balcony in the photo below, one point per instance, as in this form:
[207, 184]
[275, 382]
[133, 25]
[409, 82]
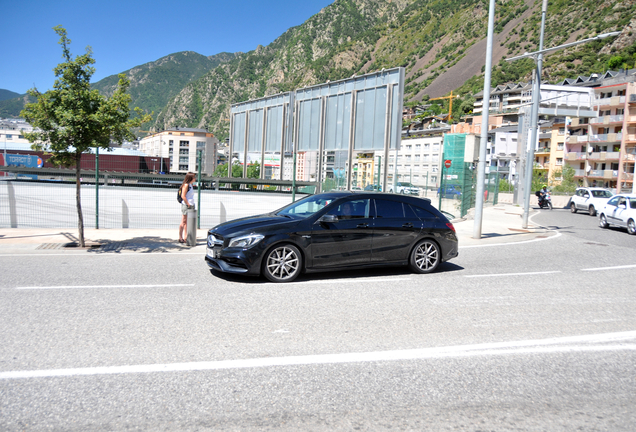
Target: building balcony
[610, 119]
[597, 174]
[575, 139]
[611, 137]
[604, 156]
[611, 101]
[576, 156]
[542, 150]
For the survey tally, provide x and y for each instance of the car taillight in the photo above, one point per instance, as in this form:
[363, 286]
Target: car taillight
[450, 225]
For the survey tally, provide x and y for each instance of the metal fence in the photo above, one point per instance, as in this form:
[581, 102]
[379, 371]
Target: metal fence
[117, 201]
[113, 200]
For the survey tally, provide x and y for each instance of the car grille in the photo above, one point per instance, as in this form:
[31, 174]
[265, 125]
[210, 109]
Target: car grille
[215, 240]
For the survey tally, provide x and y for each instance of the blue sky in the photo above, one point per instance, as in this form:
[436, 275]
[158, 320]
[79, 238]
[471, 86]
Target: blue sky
[125, 34]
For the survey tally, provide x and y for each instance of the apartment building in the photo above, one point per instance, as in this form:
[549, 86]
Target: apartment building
[602, 149]
[418, 160]
[180, 145]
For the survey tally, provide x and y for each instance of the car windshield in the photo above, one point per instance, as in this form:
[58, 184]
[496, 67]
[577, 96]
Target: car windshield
[305, 207]
[602, 194]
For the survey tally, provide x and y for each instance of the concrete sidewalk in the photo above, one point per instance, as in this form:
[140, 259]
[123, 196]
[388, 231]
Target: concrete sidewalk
[500, 224]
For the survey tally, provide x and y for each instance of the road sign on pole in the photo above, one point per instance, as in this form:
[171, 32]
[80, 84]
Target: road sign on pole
[447, 163]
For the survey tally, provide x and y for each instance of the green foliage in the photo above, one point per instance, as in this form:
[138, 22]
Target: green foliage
[567, 184]
[72, 118]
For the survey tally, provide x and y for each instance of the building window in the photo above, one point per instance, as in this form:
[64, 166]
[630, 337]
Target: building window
[559, 161]
[184, 143]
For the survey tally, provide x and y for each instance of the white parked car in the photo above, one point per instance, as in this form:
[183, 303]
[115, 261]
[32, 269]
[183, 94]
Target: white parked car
[589, 199]
[620, 210]
[405, 188]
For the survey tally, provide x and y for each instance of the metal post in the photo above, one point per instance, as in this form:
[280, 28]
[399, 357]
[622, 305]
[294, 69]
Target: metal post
[199, 154]
[534, 120]
[485, 114]
[97, 188]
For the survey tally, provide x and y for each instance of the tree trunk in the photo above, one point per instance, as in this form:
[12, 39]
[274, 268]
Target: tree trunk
[78, 199]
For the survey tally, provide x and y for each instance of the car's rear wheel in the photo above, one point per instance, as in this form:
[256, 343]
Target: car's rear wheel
[592, 211]
[573, 208]
[602, 221]
[631, 227]
[425, 257]
[282, 263]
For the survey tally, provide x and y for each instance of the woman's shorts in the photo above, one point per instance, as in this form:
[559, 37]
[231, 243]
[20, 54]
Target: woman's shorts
[184, 209]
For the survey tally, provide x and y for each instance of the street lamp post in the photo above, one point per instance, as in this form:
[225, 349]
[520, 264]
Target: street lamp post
[536, 98]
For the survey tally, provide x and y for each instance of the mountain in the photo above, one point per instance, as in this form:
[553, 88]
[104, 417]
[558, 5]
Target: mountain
[8, 94]
[153, 84]
[441, 43]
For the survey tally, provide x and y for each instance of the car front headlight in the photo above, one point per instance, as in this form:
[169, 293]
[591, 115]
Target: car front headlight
[246, 242]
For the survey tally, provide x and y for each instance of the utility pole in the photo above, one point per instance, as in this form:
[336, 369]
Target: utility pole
[485, 114]
[536, 99]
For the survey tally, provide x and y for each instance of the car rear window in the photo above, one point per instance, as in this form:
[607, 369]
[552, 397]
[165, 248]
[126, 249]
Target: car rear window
[389, 209]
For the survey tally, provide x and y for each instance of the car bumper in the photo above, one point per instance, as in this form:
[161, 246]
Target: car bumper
[239, 262]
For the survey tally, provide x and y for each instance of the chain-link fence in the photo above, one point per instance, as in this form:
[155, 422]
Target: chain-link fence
[47, 199]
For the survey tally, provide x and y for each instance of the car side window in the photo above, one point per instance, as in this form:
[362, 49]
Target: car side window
[613, 201]
[389, 209]
[353, 209]
[422, 213]
[632, 203]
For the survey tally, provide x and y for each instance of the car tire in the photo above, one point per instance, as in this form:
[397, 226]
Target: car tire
[425, 257]
[592, 211]
[573, 207]
[282, 263]
[631, 227]
[602, 221]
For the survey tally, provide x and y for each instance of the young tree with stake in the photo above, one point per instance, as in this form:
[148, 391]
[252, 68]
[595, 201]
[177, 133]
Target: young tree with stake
[72, 118]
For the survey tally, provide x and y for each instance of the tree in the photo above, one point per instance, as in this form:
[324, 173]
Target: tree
[71, 119]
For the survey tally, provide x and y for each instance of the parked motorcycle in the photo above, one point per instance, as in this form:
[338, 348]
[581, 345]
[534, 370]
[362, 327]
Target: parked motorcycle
[545, 201]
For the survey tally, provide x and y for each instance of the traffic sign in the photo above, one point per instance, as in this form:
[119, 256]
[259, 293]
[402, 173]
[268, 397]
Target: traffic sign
[447, 163]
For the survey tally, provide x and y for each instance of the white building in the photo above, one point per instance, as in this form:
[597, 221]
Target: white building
[418, 161]
[181, 145]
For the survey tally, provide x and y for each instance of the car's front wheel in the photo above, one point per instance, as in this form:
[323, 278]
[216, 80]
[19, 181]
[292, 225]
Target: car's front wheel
[631, 227]
[573, 207]
[425, 257]
[282, 263]
[602, 221]
[592, 211]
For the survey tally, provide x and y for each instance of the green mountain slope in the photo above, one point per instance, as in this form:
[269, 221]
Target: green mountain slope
[153, 84]
[441, 43]
[8, 94]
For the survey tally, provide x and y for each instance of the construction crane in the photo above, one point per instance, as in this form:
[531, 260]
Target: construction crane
[450, 104]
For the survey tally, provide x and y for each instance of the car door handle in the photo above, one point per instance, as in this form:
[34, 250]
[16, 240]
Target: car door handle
[362, 225]
[407, 225]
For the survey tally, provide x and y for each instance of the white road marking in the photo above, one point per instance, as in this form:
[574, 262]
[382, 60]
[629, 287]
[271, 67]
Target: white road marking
[572, 344]
[512, 274]
[101, 286]
[610, 268]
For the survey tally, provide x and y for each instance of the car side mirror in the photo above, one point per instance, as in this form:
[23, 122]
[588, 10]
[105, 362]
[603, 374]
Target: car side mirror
[328, 218]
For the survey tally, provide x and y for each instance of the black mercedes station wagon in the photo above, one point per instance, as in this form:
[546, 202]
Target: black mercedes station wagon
[334, 231]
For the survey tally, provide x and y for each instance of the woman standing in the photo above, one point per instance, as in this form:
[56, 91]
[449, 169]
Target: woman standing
[187, 194]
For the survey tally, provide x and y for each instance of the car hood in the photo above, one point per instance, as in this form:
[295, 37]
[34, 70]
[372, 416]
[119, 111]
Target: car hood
[251, 224]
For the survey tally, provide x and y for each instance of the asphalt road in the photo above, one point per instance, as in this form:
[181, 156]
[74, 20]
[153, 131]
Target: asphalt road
[530, 336]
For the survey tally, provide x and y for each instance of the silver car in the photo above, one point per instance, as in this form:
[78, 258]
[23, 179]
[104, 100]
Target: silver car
[620, 210]
[589, 199]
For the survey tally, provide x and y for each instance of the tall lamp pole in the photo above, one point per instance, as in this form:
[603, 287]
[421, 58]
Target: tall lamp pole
[483, 142]
[536, 96]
